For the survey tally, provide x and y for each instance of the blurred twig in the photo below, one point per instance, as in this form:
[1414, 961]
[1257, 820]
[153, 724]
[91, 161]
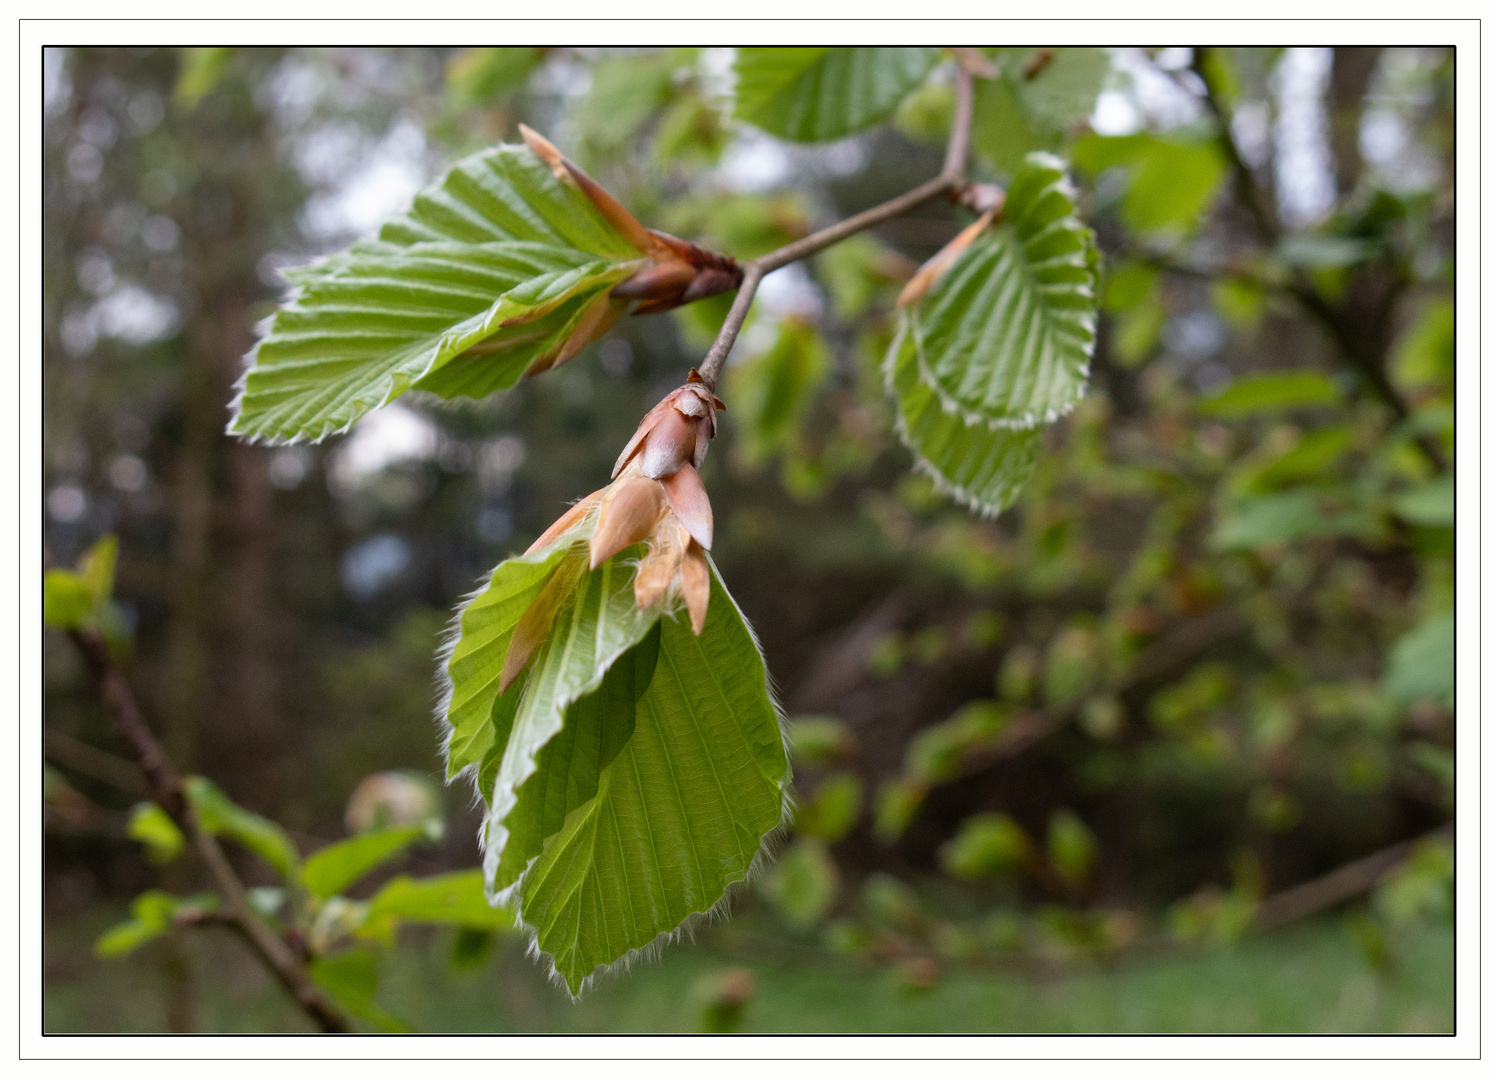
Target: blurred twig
[1341, 884]
[166, 789]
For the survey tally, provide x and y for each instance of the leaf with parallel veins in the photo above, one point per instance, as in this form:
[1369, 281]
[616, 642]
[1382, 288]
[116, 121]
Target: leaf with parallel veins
[505, 268]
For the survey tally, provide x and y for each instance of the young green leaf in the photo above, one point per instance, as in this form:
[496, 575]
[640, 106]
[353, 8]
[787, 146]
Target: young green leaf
[816, 94]
[1272, 392]
[351, 978]
[446, 899]
[682, 811]
[1422, 664]
[1004, 335]
[334, 868]
[221, 816]
[978, 465]
[500, 260]
[1037, 96]
[1171, 182]
[151, 917]
[150, 825]
[773, 390]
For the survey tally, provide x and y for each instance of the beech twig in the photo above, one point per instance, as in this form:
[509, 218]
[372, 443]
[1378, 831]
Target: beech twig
[951, 181]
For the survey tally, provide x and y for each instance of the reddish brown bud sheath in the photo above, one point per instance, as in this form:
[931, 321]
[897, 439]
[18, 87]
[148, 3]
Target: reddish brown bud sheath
[689, 502]
[696, 585]
[628, 513]
[942, 261]
[566, 521]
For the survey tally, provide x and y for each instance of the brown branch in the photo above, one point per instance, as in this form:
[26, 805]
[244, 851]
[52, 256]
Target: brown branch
[951, 181]
[1249, 193]
[1341, 884]
[79, 756]
[166, 789]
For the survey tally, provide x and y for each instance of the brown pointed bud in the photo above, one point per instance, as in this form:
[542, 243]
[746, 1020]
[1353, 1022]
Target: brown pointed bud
[942, 261]
[571, 518]
[611, 208]
[656, 281]
[670, 445]
[628, 513]
[685, 419]
[696, 585]
[689, 502]
[535, 624]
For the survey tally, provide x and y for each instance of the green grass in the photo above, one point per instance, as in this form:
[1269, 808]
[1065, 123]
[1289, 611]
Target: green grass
[1309, 978]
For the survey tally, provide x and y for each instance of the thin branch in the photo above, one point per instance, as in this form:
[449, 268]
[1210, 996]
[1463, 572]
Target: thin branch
[1341, 884]
[1249, 193]
[951, 181]
[166, 789]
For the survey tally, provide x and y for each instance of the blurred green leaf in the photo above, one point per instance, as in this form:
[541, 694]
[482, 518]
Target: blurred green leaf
[937, 753]
[802, 883]
[890, 902]
[773, 392]
[895, 806]
[455, 899]
[626, 92]
[1172, 181]
[81, 598]
[820, 740]
[1037, 96]
[490, 271]
[1071, 847]
[484, 76]
[1422, 664]
[334, 868]
[1432, 503]
[352, 977]
[220, 816]
[987, 845]
[1282, 518]
[66, 599]
[833, 809]
[200, 71]
[152, 826]
[1272, 392]
[817, 94]
[1321, 251]
[151, 916]
[151, 913]
[1423, 887]
[472, 948]
[1426, 354]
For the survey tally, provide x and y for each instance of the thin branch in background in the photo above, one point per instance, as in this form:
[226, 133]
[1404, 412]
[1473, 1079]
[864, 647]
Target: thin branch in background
[166, 789]
[950, 182]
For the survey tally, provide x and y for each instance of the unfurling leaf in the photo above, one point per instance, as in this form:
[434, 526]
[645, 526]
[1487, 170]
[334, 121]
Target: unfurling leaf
[995, 338]
[509, 265]
[631, 760]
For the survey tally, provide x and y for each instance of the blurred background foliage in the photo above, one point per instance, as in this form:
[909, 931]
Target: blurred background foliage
[1092, 745]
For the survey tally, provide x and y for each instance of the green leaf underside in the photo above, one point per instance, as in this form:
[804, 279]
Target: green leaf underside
[681, 811]
[498, 240]
[615, 703]
[1006, 334]
[485, 627]
[597, 625]
[815, 94]
[334, 868]
[981, 466]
